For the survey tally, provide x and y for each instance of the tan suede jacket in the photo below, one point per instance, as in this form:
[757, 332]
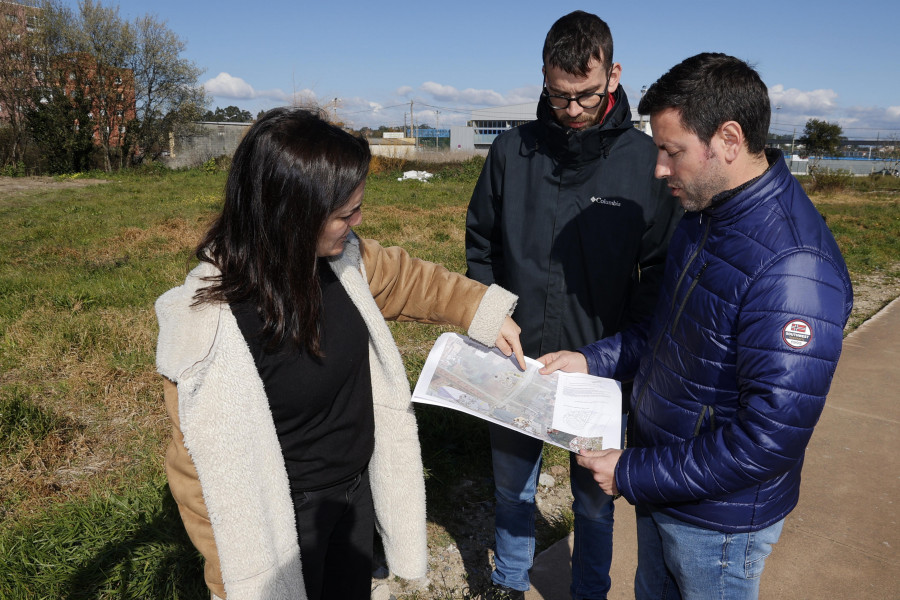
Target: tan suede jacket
[224, 463]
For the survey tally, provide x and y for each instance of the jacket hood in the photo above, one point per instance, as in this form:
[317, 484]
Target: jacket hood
[179, 347]
[572, 146]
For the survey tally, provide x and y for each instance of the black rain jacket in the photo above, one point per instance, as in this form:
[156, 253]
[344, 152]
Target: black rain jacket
[575, 224]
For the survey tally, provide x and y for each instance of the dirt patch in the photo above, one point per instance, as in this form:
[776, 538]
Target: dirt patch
[871, 293]
[13, 185]
[460, 549]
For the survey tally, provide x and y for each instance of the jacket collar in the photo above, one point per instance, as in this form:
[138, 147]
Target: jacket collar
[570, 146]
[731, 204]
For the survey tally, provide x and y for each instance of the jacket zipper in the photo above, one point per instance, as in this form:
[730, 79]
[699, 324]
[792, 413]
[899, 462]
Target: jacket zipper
[662, 331]
[688, 295]
[712, 419]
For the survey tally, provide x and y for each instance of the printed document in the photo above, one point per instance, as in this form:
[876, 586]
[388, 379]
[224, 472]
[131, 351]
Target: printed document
[570, 410]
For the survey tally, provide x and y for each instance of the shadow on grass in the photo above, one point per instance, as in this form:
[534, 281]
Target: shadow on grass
[122, 546]
[153, 559]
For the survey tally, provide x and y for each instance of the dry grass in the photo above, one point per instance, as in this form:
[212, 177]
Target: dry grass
[170, 236]
[91, 370]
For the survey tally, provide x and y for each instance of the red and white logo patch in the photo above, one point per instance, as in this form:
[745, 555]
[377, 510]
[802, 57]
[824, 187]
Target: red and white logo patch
[796, 333]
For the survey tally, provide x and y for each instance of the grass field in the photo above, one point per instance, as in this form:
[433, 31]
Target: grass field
[84, 507]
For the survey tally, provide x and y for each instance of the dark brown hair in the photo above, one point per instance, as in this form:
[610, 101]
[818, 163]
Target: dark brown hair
[574, 40]
[709, 89]
[288, 174]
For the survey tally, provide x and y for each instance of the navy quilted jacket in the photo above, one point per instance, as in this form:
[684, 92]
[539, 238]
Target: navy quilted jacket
[733, 370]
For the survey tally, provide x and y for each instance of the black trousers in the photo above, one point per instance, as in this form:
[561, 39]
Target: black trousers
[336, 527]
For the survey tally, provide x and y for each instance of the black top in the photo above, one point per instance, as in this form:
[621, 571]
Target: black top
[322, 407]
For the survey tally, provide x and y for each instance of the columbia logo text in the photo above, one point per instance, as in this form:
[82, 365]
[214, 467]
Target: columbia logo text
[605, 201]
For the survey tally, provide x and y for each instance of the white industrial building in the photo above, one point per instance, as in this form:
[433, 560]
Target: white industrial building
[487, 123]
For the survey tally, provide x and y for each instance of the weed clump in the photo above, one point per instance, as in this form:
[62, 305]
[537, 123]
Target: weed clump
[386, 164]
[829, 181]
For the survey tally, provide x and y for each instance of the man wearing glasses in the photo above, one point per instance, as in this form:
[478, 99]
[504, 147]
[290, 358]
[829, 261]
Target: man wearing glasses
[567, 214]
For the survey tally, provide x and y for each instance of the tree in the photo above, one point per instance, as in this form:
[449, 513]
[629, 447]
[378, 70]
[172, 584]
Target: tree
[890, 154]
[167, 93]
[822, 138]
[133, 73]
[229, 114]
[90, 48]
[60, 126]
[17, 76]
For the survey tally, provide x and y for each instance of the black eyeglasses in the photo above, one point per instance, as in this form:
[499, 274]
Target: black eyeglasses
[588, 101]
[592, 100]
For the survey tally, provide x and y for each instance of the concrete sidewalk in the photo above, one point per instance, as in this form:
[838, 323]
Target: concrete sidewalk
[843, 539]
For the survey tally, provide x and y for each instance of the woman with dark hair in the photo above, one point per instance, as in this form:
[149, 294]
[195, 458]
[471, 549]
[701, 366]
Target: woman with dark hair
[294, 435]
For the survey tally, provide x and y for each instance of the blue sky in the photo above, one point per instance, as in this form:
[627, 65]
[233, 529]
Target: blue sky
[838, 61]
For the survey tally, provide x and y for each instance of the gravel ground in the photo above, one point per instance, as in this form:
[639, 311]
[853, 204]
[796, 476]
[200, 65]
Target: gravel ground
[460, 563]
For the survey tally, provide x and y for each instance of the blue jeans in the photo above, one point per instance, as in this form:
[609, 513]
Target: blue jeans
[677, 560]
[517, 466]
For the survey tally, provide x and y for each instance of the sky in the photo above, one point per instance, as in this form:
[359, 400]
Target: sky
[367, 61]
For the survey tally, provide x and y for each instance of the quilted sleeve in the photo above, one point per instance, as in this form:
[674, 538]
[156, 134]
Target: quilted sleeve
[618, 356]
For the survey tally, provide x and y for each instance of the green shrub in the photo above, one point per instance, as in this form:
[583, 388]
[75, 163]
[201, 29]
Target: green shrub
[465, 171]
[217, 164]
[829, 181]
[14, 170]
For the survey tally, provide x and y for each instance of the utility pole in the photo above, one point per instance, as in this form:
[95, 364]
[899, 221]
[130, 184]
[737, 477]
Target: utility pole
[437, 123]
[641, 120]
[334, 110]
[412, 124]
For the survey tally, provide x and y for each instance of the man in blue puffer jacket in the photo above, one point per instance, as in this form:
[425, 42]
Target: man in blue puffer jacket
[731, 373]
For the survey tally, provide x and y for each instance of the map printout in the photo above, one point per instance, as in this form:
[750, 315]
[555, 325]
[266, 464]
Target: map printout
[570, 410]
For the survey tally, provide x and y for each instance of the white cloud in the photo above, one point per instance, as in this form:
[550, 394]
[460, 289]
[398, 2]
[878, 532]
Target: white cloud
[857, 122]
[794, 100]
[404, 90]
[225, 85]
[358, 111]
[472, 96]
[448, 93]
[523, 95]
[440, 92]
[870, 121]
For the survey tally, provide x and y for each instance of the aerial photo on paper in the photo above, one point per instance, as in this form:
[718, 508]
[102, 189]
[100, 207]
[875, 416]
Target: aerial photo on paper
[573, 411]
